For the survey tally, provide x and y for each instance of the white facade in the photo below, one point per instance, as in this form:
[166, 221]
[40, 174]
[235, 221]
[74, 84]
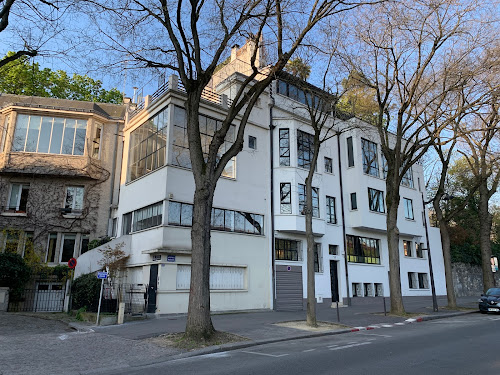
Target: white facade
[250, 262]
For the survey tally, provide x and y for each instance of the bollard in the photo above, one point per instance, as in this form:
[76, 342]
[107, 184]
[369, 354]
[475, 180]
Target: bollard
[121, 312]
[385, 308]
[338, 314]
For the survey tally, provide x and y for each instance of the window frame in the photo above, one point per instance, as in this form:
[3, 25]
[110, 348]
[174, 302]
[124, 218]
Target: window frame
[353, 198]
[252, 141]
[23, 187]
[151, 221]
[288, 198]
[331, 210]
[284, 150]
[350, 152]
[61, 247]
[328, 165]
[73, 208]
[408, 208]
[305, 149]
[370, 158]
[407, 249]
[357, 254]
[376, 202]
[287, 252]
[303, 197]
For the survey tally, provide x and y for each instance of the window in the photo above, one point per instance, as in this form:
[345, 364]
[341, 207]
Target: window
[51, 248]
[12, 241]
[53, 135]
[305, 149]
[363, 250]
[285, 147]
[148, 145]
[408, 206]
[354, 201]
[84, 244]
[302, 200]
[368, 289]
[147, 217]
[127, 223]
[208, 126]
[114, 227]
[318, 263]
[67, 247]
[419, 250]
[18, 199]
[407, 179]
[370, 157]
[285, 198]
[333, 249]
[423, 282]
[28, 245]
[227, 220]
[221, 277]
[252, 142]
[356, 290]
[96, 142]
[328, 165]
[376, 200]
[331, 216]
[385, 167]
[407, 248]
[379, 290]
[350, 152]
[3, 133]
[74, 198]
[287, 249]
[414, 280]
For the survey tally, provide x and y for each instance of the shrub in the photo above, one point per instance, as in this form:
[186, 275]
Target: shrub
[98, 242]
[14, 273]
[85, 292]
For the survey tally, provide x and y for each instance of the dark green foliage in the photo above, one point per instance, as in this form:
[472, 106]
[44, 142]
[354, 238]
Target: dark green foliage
[14, 273]
[85, 292]
[471, 253]
[61, 272]
[98, 242]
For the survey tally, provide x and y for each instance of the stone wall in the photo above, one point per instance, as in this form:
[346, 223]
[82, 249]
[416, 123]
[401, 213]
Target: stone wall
[468, 279]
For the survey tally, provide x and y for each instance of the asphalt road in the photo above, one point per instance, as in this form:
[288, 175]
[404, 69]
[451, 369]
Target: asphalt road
[464, 345]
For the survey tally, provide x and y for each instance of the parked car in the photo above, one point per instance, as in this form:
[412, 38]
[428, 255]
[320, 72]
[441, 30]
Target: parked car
[490, 301]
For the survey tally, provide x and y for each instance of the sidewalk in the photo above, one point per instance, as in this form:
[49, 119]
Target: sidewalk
[260, 326]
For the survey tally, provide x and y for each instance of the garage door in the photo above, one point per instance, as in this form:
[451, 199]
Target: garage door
[289, 288]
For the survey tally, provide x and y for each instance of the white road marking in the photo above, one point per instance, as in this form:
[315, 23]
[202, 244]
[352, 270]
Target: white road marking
[351, 346]
[494, 318]
[265, 354]
[373, 334]
[332, 346]
[399, 324]
[63, 337]
[308, 350]
[387, 325]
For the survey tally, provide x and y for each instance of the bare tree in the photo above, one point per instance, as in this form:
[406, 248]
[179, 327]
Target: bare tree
[191, 40]
[406, 51]
[30, 24]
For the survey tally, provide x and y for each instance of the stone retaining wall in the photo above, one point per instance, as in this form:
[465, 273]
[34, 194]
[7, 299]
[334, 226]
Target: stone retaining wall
[468, 279]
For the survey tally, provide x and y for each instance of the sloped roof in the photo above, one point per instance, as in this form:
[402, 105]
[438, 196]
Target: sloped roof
[110, 111]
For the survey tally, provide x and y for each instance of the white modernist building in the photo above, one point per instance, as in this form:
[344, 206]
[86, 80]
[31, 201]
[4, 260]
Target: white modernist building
[258, 231]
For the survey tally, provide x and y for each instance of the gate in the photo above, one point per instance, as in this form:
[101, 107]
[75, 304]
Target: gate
[46, 296]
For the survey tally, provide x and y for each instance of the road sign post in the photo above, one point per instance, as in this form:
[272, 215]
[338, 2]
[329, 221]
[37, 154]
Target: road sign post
[100, 275]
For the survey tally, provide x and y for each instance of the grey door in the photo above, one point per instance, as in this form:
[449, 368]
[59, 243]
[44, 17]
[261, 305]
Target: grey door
[289, 288]
[153, 281]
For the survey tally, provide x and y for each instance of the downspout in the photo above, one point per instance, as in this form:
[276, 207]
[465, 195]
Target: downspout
[271, 146]
[346, 263]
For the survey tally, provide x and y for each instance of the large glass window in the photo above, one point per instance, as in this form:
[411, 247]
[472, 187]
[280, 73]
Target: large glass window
[318, 264]
[147, 217]
[53, 135]
[407, 179]
[18, 199]
[302, 200]
[363, 250]
[305, 149]
[328, 165]
[222, 219]
[370, 157]
[331, 216]
[376, 200]
[285, 147]
[408, 206]
[407, 248]
[67, 247]
[354, 201]
[286, 249]
[148, 145]
[51, 247]
[127, 223]
[285, 198]
[208, 127]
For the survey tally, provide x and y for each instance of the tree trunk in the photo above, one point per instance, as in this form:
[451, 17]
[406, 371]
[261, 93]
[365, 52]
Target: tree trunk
[199, 323]
[485, 221]
[445, 243]
[311, 281]
[397, 306]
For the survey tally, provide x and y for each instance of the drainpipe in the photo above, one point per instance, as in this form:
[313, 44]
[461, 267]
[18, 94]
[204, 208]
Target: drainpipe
[271, 146]
[346, 263]
[431, 272]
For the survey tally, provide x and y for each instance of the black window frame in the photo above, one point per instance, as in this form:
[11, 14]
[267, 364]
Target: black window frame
[252, 142]
[358, 253]
[305, 149]
[331, 214]
[286, 249]
[370, 158]
[302, 200]
[408, 204]
[284, 147]
[328, 165]
[285, 198]
[376, 201]
[350, 152]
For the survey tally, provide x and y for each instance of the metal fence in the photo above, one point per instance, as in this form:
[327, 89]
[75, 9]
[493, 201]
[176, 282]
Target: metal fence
[43, 295]
[133, 295]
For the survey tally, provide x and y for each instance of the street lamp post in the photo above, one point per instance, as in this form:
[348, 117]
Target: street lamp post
[431, 273]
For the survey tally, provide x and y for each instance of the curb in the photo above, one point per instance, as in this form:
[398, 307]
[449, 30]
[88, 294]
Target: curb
[243, 345]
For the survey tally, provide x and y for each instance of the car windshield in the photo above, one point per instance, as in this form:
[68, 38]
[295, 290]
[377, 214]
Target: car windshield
[493, 292]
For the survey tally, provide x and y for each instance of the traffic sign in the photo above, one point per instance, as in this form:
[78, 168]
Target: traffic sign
[102, 275]
[72, 263]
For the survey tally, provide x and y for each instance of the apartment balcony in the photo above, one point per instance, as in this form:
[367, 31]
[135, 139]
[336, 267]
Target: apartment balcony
[297, 224]
[51, 165]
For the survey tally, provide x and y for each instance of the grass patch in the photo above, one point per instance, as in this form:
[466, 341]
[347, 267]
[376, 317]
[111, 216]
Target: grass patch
[180, 341]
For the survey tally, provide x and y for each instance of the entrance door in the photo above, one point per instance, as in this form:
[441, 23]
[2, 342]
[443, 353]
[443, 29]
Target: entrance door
[153, 284]
[49, 297]
[334, 281]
